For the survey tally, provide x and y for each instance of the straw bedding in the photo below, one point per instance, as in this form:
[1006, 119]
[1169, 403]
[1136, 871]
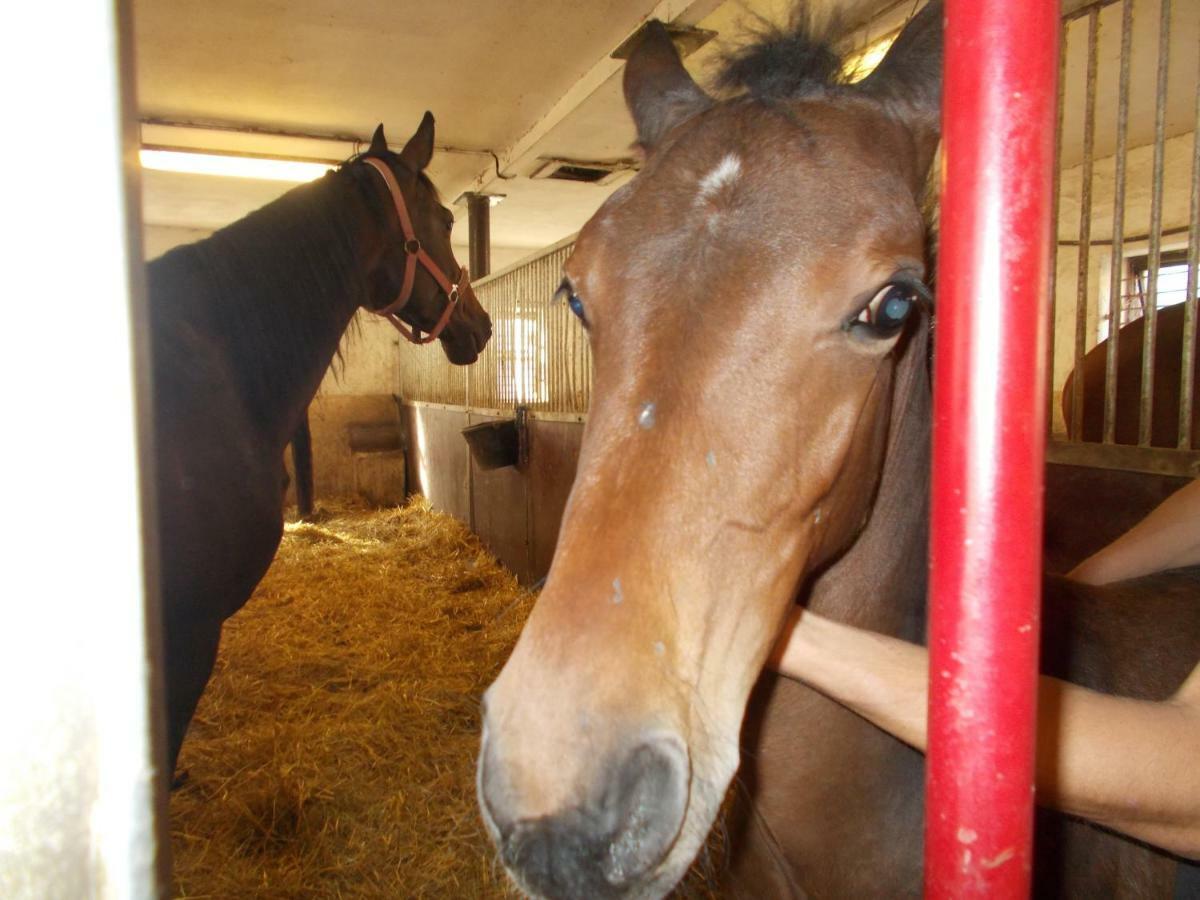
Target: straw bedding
[333, 753]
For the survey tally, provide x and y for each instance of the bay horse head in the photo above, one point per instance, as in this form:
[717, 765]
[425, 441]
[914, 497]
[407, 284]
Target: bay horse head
[754, 298]
[417, 283]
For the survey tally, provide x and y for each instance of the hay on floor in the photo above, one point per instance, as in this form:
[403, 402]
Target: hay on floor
[333, 754]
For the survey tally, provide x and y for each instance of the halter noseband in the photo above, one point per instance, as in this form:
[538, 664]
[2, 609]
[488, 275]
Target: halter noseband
[414, 253]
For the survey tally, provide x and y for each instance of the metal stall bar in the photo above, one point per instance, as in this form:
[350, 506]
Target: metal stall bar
[1001, 66]
[1149, 333]
[1188, 361]
[1117, 265]
[1085, 219]
[1055, 208]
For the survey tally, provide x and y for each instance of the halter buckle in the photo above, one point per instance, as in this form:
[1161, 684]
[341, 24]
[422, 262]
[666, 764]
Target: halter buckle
[412, 246]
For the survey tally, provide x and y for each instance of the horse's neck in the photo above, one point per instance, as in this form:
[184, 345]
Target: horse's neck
[274, 292]
[880, 582]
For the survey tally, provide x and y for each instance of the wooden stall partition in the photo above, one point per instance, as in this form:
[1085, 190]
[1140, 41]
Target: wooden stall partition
[553, 458]
[437, 459]
[499, 509]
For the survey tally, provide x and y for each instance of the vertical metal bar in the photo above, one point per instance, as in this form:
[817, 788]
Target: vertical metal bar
[988, 445]
[1116, 275]
[1052, 280]
[1085, 224]
[1188, 362]
[1149, 333]
[479, 233]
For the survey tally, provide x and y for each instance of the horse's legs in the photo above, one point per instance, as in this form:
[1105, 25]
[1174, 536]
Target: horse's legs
[303, 467]
[190, 649]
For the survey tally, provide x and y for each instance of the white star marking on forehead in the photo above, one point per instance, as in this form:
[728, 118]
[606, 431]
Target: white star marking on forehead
[725, 173]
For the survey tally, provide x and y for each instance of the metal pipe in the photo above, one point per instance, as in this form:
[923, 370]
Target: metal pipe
[1117, 260]
[1085, 223]
[1150, 331]
[1001, 65]
[1188, 362]
[479, 230]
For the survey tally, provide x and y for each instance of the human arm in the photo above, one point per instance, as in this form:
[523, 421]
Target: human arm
[1169, 537]
[1127, 764]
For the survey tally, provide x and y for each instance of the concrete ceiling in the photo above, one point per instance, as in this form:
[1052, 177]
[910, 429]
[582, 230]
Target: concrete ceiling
[526, 80]
[1183, 57]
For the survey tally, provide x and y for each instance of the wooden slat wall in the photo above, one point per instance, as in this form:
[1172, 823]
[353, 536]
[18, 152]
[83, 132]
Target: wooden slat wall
[538, 356]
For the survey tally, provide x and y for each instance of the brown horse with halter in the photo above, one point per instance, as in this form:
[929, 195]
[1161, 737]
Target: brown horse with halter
[244, 325]
[760, 426]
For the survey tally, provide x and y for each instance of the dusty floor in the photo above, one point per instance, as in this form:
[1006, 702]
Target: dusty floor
[333, 753]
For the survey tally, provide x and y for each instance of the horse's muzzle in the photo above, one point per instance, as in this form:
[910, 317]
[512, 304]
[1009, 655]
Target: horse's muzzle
[607, 847]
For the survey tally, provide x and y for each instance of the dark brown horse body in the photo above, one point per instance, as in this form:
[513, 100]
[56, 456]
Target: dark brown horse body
[244, 326]
[759, 423]
[1164, 415]
[842, 815]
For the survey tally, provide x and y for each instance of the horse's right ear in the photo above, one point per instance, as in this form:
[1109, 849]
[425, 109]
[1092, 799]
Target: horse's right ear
[658, 89]
[378, 142]
[909, 79]
[419, 149]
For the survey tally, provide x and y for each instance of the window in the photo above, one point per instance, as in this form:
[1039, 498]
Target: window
[521, 374]
[1171, 288]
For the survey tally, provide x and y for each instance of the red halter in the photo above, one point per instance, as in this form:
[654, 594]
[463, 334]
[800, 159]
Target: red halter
[414, 253]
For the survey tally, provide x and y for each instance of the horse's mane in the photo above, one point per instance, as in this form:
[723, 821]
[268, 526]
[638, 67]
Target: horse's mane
[783, 62]
[272, 285]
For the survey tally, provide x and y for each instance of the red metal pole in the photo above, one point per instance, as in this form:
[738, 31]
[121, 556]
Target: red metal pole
[1001, 71]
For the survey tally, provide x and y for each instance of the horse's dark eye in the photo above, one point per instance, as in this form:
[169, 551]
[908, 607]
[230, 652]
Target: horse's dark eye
[888, 310]
[566, 291]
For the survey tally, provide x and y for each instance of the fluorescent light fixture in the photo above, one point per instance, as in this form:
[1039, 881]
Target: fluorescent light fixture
[228, 165]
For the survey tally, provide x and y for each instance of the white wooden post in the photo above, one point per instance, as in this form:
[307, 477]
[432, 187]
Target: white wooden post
[77, 784]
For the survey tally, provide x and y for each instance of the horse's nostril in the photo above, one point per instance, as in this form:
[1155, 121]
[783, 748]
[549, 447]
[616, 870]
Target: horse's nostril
[604, 848]
[650, 799]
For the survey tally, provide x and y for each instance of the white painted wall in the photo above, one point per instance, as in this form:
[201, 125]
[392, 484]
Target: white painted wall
[158, 239]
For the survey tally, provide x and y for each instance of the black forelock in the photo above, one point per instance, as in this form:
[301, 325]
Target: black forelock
[781, 62]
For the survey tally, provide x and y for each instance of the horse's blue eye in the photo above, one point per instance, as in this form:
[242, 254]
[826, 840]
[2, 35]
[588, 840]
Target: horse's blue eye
[888, 310]
[567, 292]
[894, 309]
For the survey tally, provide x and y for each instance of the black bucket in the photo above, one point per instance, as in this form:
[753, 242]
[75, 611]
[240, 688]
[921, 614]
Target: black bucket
[494, 445]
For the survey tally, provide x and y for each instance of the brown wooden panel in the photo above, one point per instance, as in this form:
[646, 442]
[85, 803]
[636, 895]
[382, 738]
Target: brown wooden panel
[437, 458]
[500, 511]
[553, 458]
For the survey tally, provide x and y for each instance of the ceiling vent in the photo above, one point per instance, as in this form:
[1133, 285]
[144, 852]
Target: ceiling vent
[581, 172]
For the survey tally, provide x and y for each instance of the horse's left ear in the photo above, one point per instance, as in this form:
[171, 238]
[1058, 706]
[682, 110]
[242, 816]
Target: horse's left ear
[378, 142]
[909, 80]
[419, 149]
[659, 91]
